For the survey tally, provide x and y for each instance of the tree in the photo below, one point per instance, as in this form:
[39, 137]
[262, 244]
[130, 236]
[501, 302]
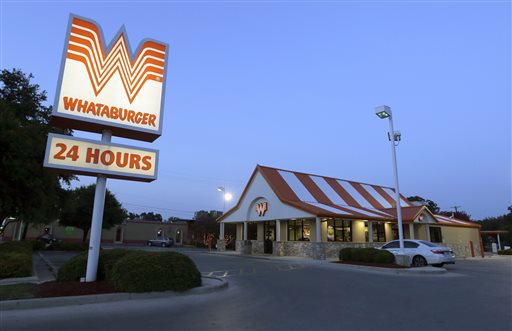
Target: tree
[503, 222]
[152, 217]
[431, 205]
[204, 223]
[28, 192]
[77, 211]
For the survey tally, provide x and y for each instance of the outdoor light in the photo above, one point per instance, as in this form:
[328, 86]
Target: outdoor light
[385, 112]
[226, 196]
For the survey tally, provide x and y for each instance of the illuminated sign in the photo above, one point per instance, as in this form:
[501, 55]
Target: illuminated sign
[261, 208]
[90, 157]
[108, 87]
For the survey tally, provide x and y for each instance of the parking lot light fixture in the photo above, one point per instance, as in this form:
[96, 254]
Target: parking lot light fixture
[385, 112]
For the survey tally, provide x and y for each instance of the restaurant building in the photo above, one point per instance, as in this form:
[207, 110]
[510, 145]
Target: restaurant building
[289, 213]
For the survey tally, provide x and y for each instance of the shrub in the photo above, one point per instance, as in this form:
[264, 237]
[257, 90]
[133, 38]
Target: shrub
[149, 271]
[75, 268]
[24, 247]
[383, 256]
[109, 258]
[15, 264]
[370, 255]
[346, 254]
[505, 252]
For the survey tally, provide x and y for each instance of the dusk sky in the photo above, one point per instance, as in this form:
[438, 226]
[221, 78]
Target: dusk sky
[294, 84]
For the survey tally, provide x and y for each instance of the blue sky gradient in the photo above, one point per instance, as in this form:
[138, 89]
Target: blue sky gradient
[293, 85]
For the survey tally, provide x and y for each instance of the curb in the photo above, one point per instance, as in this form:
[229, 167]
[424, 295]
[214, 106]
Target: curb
[210, 284]
[405, 271]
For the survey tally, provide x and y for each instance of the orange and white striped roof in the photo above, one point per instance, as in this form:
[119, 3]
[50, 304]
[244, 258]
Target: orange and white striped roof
[327, 196]
[331, 197]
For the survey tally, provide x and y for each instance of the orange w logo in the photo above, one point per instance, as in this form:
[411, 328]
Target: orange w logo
[261, 208]
[85, 45]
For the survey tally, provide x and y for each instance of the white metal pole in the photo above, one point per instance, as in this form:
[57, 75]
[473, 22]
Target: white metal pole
[397, 191]
[97, 220]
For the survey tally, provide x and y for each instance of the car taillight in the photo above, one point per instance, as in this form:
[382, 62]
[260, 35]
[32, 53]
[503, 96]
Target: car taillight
[435, 251]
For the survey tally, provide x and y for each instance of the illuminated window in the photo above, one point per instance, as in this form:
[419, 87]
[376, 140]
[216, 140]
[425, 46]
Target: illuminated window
[299, 230]
[339, 230]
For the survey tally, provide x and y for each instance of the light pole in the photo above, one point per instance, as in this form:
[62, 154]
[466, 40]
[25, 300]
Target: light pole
[226, 196]
[385, 112]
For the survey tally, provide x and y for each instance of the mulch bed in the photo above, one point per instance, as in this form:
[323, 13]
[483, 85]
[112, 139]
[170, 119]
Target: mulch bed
[62, 289]
[379, 265]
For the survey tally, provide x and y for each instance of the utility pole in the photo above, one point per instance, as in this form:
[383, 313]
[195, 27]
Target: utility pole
[456, 208]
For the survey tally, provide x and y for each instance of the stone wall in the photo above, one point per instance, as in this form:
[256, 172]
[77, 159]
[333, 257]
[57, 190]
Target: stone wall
[463, 250]
[257, 247]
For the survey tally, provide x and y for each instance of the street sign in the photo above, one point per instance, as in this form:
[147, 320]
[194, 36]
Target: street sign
[91, 157]
[109, 87]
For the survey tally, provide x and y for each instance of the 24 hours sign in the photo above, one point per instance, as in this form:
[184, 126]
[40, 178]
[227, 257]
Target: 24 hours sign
[90, 157]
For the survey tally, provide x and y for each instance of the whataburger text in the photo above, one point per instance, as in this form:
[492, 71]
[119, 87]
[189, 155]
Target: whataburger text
[86, 156]
[106, 111]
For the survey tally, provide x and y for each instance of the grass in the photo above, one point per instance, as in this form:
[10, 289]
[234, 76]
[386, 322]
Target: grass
[17, 291]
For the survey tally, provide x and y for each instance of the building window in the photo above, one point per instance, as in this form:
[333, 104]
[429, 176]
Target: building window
[435, 235]
[339, 230]
[379, 234]
[299, 230]
[252, 231]
[394, 230]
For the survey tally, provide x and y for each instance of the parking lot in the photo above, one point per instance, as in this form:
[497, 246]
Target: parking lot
[277, 294]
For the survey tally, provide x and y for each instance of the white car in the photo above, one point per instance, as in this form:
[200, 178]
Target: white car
[422, 252]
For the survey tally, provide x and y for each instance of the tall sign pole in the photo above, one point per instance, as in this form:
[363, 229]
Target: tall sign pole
[97, 220]
[111, 90]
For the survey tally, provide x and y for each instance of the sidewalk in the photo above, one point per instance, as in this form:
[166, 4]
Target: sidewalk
[41, 273]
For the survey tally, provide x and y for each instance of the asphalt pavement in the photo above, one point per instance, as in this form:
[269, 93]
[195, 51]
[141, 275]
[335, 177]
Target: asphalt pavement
[295, 294]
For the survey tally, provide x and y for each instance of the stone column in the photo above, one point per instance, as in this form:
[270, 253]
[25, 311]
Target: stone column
[411, 231]
[221, 236]
[245, 230]
[318, 230]
[221, 245]
[278, 230]
[370, 232]
[427, 229]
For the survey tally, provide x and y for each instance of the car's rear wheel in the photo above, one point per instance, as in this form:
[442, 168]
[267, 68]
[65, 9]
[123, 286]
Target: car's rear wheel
[419, 261]
[163, 245]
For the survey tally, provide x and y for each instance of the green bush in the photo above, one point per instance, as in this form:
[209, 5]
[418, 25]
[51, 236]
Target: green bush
[384, 256]
[150, 271]
[24, 247]
[370, 255]
[15, 264]
[75, 268]
[346, 254]
[505, 252]
[109, 258]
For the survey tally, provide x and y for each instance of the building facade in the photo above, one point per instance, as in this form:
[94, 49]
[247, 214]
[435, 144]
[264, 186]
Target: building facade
[288, 213]
[129, 232]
